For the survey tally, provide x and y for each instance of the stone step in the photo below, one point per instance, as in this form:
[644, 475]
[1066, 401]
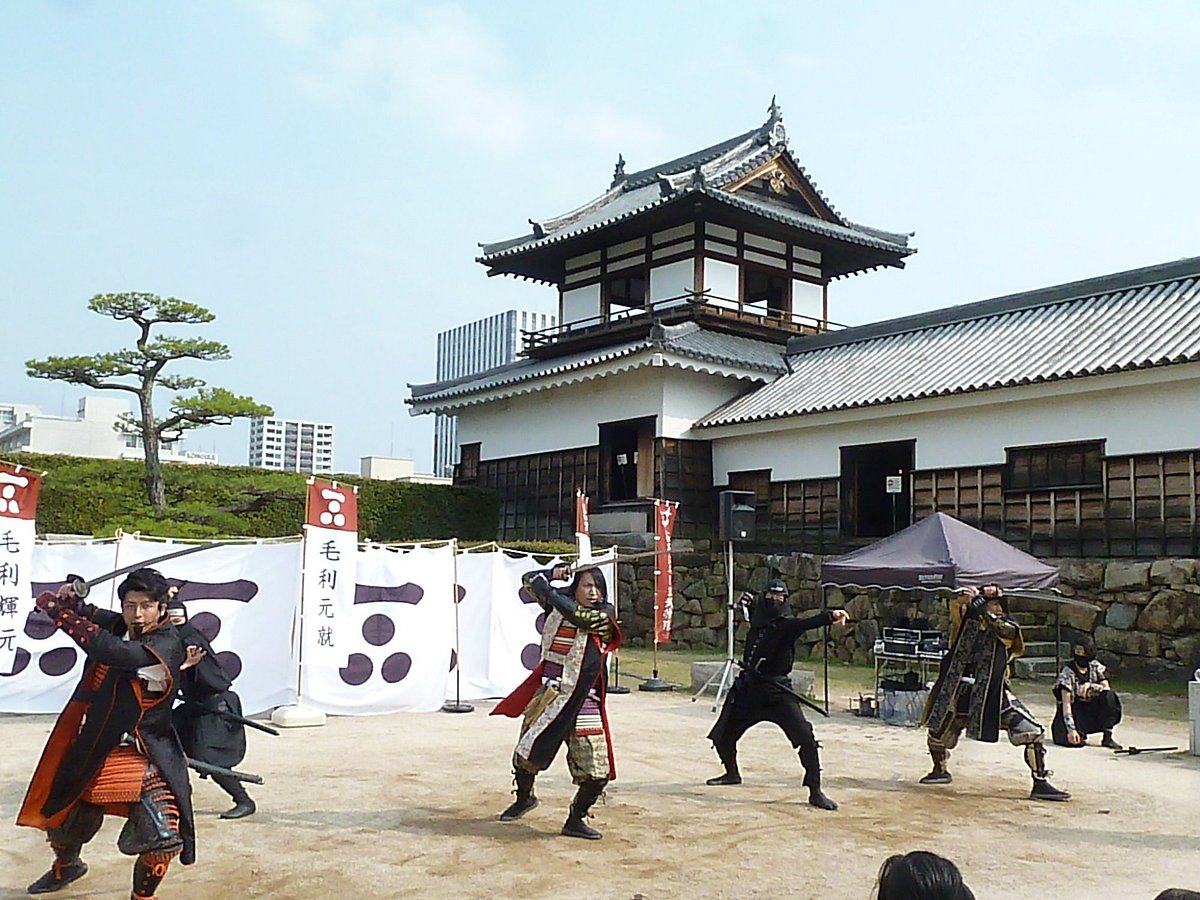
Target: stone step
[1037, 633]
[1046, 648]
[1036, 668]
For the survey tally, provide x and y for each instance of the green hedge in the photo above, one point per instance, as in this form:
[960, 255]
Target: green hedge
[98, 496]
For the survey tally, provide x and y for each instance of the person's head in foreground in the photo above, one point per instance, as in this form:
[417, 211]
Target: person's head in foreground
[921, 875]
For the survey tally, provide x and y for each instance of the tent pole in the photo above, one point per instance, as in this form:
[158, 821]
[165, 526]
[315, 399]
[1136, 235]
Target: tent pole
[821, 588]
[1057, 638]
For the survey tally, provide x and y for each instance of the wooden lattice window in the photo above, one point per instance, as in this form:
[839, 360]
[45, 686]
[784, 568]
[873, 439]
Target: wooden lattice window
[1055, 466]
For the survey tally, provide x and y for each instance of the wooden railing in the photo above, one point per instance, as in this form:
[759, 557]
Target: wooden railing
[686, 306]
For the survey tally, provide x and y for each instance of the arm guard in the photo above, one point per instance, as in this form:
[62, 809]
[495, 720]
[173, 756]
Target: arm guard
[100, 645]
[594, 619]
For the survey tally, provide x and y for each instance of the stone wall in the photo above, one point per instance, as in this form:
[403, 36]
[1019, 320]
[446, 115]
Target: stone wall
[1149, 616]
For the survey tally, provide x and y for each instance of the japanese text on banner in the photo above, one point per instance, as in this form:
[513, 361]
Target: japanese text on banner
[19, 489]
[664, 574]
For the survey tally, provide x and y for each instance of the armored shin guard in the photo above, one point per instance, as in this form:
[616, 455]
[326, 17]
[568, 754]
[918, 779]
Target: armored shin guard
[1035, 758]
[940, 774]
[149, 871]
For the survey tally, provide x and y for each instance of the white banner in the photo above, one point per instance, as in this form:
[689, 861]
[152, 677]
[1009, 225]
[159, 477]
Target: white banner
[241, 597]
[378, 627]
[48, 663]
[392, 644]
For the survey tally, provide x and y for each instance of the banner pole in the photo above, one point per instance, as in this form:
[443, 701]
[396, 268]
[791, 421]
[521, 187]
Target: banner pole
[457, 706]
[616, 687]
[654, 683]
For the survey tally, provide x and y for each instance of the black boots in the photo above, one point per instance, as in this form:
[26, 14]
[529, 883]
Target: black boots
[726, 777]
[1108, 743]
[1035, 758]
[817, 798]
[1044, 790]
[242, 804]
[576, 824]
[525, 800]
[939, 775]
[67, 867]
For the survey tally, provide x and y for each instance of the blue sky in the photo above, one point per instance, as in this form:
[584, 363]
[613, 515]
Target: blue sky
[319, 173]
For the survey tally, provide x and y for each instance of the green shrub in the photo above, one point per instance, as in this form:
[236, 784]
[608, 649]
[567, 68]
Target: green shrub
[98, 496]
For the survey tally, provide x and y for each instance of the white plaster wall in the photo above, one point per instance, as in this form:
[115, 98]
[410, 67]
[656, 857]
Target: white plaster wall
[1132, 416]
[688, 396]
[568, 416]
[561, 418]
[721, 281]
[581, 303]
[672, 280]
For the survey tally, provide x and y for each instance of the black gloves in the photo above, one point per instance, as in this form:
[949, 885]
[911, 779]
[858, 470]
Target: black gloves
[976, 606]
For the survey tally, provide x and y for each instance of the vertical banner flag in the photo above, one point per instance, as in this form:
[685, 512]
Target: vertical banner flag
[583, 527]
[327, 587]
[18, 507]
[664, 575]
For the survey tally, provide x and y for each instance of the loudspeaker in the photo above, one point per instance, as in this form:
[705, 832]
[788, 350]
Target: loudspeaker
[736, 520]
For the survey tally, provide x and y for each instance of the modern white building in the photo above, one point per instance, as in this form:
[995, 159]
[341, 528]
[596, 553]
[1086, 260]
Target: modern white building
[291, 445]
[396, 468]
[469, 350]
[93, 432]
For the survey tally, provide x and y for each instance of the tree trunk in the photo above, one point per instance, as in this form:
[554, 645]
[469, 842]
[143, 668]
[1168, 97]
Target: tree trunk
[156, 490]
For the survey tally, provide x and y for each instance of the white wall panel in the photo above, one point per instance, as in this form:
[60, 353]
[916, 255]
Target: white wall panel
[672, 280]
[1118, 411]
[807, 300]
[721, 282]
[581, 303]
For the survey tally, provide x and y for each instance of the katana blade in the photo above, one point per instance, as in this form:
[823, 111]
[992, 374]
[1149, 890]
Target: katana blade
[1050, 596]
[83, 588]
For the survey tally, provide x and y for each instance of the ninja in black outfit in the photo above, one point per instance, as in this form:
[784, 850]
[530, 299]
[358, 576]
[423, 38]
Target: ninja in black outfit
[762, 692]
[207, 734]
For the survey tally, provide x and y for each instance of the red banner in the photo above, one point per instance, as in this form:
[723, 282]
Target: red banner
[583, 525]
[664, 575]
[19, 489]
[333, 505]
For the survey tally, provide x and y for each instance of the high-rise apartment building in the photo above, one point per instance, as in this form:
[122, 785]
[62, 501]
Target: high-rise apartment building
[291, 445]
[470, 349]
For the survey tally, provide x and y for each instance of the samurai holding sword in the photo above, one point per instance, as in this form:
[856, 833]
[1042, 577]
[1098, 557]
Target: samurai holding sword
[113, 750]
[972, 692]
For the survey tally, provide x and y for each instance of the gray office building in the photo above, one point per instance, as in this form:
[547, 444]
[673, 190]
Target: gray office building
[470, 349]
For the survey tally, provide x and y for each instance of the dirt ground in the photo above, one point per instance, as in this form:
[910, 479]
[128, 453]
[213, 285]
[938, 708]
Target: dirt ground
[405, 806]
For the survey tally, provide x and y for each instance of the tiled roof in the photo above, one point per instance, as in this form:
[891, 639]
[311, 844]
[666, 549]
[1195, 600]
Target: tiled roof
[707, 172]
[686, 341]
[1131, 320]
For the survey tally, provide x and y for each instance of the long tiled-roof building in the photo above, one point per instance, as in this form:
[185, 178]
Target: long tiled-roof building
[693, 353]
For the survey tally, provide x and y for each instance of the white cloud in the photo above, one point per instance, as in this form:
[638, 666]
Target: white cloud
[440, 65]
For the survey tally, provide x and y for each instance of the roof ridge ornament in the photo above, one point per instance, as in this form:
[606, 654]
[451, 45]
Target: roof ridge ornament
[775, 133]
[538, 231]
[665, 188]
[698, 179]
[618, 172]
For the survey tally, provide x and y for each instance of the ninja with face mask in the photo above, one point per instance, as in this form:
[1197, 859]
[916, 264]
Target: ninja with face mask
[1086, 704]
[113, 750]
[762, 692]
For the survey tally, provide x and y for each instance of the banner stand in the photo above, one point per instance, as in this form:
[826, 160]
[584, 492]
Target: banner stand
[456, 705]
[615, 686]
[664, 523]
[298, 715]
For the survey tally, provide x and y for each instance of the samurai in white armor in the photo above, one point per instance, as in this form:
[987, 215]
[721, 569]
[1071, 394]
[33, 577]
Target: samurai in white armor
[973, 694]
[562, 701]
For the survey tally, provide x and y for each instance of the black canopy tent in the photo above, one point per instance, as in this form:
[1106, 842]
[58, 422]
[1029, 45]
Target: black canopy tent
[938, 552]
[941, 553]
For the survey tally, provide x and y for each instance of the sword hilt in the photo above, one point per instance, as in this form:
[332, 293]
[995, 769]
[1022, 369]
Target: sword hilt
[80, 587]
